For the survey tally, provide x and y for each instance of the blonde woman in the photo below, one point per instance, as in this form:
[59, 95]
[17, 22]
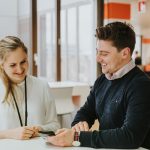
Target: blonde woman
[26, 105]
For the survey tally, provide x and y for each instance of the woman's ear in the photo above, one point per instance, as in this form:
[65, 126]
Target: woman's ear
[1, 65]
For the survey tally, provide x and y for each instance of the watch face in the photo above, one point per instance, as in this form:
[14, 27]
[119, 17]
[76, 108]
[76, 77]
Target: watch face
[76, 143]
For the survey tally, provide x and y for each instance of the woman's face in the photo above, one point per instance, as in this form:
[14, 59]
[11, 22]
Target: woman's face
[16, 65]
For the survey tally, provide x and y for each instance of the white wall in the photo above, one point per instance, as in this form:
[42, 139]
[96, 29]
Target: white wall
[144, 23]
[8, 18]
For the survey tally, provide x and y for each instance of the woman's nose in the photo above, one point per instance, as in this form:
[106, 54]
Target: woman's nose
[19, 69]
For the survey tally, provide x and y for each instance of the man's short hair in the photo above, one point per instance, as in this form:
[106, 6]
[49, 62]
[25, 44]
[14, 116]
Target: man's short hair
[120, 34]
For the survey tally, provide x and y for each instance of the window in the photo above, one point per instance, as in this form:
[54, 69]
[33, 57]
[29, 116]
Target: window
[25, 26]
[46, 39]
[78, 41]
[78, 19]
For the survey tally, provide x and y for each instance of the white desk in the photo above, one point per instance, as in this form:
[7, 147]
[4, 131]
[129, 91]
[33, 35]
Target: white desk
[36, 144]
[66, 84]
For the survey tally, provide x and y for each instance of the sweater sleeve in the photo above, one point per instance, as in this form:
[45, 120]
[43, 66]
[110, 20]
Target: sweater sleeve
[51, 122]
[136, 124]
[87, 112]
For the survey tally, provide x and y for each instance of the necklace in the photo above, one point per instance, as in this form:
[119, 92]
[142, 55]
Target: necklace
[26, 112]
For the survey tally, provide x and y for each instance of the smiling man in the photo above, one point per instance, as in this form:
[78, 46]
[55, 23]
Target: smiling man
[119, 99]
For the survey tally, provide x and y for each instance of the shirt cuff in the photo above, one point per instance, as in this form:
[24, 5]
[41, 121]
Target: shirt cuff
[85, 138]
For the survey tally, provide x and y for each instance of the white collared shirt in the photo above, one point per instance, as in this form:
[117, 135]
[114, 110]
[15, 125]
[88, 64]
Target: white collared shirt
[121, 72]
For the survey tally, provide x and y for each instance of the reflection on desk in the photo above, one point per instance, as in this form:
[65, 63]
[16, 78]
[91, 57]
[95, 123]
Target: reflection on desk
[37, 144]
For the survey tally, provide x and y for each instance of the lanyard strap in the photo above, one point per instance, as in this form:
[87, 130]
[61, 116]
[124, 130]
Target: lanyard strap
[26, 113]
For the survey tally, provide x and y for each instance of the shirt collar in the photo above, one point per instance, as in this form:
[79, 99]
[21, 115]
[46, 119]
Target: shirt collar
[121, 72]
[22, 83]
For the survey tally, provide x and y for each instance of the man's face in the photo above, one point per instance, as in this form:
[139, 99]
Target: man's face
[107, 55]
[16, 65]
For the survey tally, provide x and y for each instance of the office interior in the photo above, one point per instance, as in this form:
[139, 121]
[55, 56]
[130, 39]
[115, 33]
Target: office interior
[60, 36]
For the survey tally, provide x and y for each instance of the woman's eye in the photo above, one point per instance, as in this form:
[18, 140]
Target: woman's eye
[23, 62]
[13, 65]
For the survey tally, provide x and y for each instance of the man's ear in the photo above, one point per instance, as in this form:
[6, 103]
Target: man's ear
[126, 52]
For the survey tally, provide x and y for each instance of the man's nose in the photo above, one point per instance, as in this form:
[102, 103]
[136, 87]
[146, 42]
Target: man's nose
[99, 58]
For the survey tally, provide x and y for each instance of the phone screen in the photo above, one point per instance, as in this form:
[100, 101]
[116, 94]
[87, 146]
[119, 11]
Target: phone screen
[46, 133]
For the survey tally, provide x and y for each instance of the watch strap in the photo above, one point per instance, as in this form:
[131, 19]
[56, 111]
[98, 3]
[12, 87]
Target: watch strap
[76, 136]
[76, 141]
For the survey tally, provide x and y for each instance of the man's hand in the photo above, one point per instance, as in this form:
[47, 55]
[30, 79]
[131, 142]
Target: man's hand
[63, 137]
[81, 126]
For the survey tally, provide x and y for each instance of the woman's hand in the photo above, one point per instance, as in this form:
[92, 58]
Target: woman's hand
[36, 131]
[22, 133]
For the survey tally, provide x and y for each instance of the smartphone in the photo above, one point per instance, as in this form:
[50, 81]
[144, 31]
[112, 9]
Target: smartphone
[46, 133]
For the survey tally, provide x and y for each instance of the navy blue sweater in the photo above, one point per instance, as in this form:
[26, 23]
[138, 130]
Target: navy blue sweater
[122, 107]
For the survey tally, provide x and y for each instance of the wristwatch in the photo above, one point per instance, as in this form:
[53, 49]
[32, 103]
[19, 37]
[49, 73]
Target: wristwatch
[76, 141]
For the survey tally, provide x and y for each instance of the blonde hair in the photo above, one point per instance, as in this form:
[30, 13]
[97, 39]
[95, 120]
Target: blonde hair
[8, 44]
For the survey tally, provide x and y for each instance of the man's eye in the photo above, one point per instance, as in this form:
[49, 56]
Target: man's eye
[101, 53]
[104, 54]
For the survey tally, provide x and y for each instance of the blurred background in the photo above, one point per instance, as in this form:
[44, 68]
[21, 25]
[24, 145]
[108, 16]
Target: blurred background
[60, 34]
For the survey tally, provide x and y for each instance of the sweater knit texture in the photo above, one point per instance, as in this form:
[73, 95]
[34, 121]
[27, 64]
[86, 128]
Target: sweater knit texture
[122, 107]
